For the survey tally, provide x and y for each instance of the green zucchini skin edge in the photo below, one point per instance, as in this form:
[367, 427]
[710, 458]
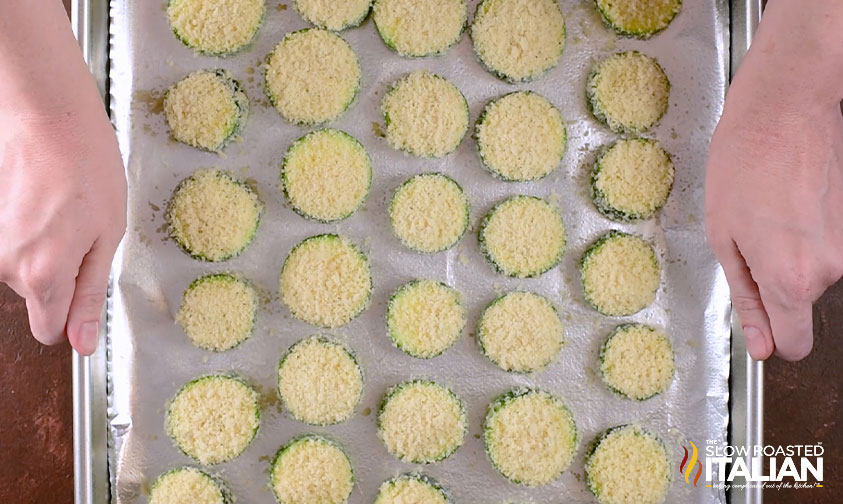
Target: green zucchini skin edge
[326, 340]
[393, 390]
[396, 340]
[225, 491]
[228, 277]
[391, 45]
[199, 257]
[284, 181]
[310, 436]
[602, 356]
[643, 35]
[488, 255]
[221, 54]
[462, 192]
[423, 478]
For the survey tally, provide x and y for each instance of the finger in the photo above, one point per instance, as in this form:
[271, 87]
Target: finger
[747, 302]
[48, 309]
[792, 324]
[88, 298]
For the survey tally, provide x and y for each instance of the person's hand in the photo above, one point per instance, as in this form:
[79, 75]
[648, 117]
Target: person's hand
[774, 195]
[62, 215]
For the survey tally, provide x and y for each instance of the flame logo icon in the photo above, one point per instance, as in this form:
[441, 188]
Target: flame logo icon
[689, 468]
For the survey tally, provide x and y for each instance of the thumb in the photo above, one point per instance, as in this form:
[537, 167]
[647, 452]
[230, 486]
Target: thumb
[746, 300]
[83, 320]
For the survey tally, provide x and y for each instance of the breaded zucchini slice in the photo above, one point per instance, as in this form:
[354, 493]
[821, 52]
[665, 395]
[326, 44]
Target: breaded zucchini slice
[421, 421]
[218, 311]
[523, 236]
[429, 212]
[213, 418]
[311, 469]
[628, 464]
[416, 28]
[206, 109]
[424, 318]
[521, 136]
[518, 40]
[636, 361]
[326, 175]
[320, 381]
[620, 274]
[530, 436]
[631, 179]
[212, 216]
[412, 488]
[326, 281]
[628, 92]
[189, 485]
[215, 27]
[638, 18]
[520, 332]
[312, 76]
[425, 115]
[332, 15]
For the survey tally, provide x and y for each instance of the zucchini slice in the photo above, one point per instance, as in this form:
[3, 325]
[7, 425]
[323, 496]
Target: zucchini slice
[189, 485]
[326, 281]
[631, 179]
[523, 236]
[212, 216]
[620, 274]
[326, 175]
[334, 16]
[218, 311]
[520, 332]
[311, 468]
[518, 40]
[207, 109]
[521, 136]
[213, 27]
[412, 488]
[425, 115]
[628, 92]
[320, 381]
[636, 361]
[530, 436]
[421, 421]
[424, 318]
[638, 18]
[628, 464]
[213, 418]
[417, 28]
[312, 76]
[429, 213]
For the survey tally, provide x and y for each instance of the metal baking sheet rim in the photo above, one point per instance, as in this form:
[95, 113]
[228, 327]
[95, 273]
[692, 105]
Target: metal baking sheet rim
[91, 414]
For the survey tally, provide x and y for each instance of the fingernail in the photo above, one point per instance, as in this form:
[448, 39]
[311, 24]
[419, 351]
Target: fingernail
[756, 344]
[88, 336]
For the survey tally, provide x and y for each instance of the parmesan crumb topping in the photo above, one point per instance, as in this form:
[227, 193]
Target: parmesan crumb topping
[530, 436]
[523, 236]
[213, 418]
[632, 179]
[421, 422]
[628, 92]
[325, 281]
[639, 18]
[637, 361]
[429, 212]
[425, 115]
[424, 318]
[518, 39]
[628, 465]
[212, 216]
[217, 311]
[187, 485]
[333, 15]
[326, 175]
[411, 489]
[620, 274]
[312, 76]
[217, 27]
[319, 381]
[521, 332]
[521, 136]
[418, 28]
[311, 469]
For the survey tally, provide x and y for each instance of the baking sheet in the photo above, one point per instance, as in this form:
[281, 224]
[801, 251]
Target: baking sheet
[150, 357]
